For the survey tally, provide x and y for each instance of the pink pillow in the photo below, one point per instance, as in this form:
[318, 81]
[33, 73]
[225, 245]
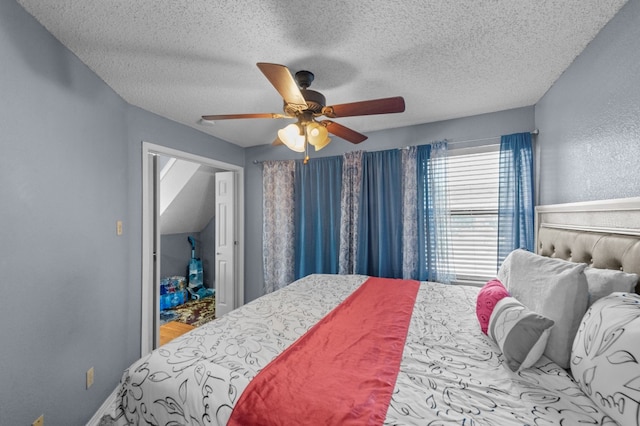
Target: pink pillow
[490, 294]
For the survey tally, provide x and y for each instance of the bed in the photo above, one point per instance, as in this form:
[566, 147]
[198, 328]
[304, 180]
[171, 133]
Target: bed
[450, 372]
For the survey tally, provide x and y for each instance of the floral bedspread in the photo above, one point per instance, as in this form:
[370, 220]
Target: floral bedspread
[450, 373]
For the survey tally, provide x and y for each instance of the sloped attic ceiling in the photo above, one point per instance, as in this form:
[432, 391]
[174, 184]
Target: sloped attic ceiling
[187, 197]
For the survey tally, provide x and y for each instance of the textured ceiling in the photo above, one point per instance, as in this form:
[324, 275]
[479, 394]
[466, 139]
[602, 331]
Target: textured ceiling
[185, 58]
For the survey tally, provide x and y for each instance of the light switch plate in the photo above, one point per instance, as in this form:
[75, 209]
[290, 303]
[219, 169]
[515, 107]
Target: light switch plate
[89, 377]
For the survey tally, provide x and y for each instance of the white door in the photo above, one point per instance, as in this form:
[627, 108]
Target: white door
[225, 243]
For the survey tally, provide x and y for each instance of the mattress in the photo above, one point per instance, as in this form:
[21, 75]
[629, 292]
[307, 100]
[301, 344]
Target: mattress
[450, 371]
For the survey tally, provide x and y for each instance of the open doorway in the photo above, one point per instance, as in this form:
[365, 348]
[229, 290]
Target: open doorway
[187, 201]
[214, 220]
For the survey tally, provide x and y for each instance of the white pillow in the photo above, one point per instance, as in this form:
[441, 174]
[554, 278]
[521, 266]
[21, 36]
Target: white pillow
[520, 334]
[555, 289]
[605, 356]
[603, 282]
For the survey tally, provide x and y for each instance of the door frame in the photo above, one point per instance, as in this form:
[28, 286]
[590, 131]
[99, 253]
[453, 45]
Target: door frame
[150, 292]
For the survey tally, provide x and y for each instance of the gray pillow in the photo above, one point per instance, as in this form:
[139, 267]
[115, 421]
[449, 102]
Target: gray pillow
[603, 282]
[553, 288]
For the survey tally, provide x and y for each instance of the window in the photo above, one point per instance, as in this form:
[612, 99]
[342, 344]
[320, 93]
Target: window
[473, 201]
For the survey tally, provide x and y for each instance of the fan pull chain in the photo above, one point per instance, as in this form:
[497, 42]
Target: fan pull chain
[306, 147]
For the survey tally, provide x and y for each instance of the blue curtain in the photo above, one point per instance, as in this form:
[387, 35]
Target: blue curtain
[434, 233]
[516, 201]
[317, 216]
[379, 250]
[425, 217]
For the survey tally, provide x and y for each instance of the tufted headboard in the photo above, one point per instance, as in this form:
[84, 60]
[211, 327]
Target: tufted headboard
[604, 234]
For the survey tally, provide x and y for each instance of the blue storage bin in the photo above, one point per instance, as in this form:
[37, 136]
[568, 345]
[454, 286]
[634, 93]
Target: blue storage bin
[173, 292]
[171, 300]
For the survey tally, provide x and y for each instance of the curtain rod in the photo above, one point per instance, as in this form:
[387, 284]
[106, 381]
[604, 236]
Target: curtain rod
[453, 142]
[534, 132]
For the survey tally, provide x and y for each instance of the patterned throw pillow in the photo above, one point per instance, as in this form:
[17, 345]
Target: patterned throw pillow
[606, 353]
[520, 333]
[490, 294]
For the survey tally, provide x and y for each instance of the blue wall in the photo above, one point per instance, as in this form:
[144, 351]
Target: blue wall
[70, 167]
[590, 119]
[176, 253]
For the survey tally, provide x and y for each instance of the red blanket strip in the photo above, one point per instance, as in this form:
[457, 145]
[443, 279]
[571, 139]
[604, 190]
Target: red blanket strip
[343, 370]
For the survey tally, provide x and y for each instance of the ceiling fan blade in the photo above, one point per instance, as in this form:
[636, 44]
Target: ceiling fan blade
[374, 106]
[234, 116]
[281, 78]
[343, 132]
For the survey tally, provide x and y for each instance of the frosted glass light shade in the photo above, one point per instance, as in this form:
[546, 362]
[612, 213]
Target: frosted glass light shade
[292, 138]
[318, 135]
[322, 144]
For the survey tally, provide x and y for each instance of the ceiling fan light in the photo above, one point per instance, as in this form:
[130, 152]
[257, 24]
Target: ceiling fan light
[292, 138]
[322, 144]
[317, 134]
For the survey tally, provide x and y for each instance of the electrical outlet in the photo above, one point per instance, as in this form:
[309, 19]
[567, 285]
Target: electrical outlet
[119, 227]
[89, 377]
[39, 421]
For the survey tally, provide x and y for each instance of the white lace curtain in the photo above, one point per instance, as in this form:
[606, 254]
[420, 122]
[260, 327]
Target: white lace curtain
[350, 206]
[409, 214]
[278, 224]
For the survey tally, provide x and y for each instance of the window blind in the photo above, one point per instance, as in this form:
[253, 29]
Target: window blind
[473, 201]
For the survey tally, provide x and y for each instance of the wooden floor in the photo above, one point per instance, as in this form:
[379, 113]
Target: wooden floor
[173, 329]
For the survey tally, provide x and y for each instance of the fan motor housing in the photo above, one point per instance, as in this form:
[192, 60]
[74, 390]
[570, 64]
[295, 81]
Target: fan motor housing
[315, 102]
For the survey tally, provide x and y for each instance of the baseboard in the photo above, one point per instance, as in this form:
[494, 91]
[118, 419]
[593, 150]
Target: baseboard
[95, 420]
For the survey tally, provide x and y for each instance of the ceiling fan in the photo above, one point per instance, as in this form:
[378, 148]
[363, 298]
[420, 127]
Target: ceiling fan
[307, 105]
